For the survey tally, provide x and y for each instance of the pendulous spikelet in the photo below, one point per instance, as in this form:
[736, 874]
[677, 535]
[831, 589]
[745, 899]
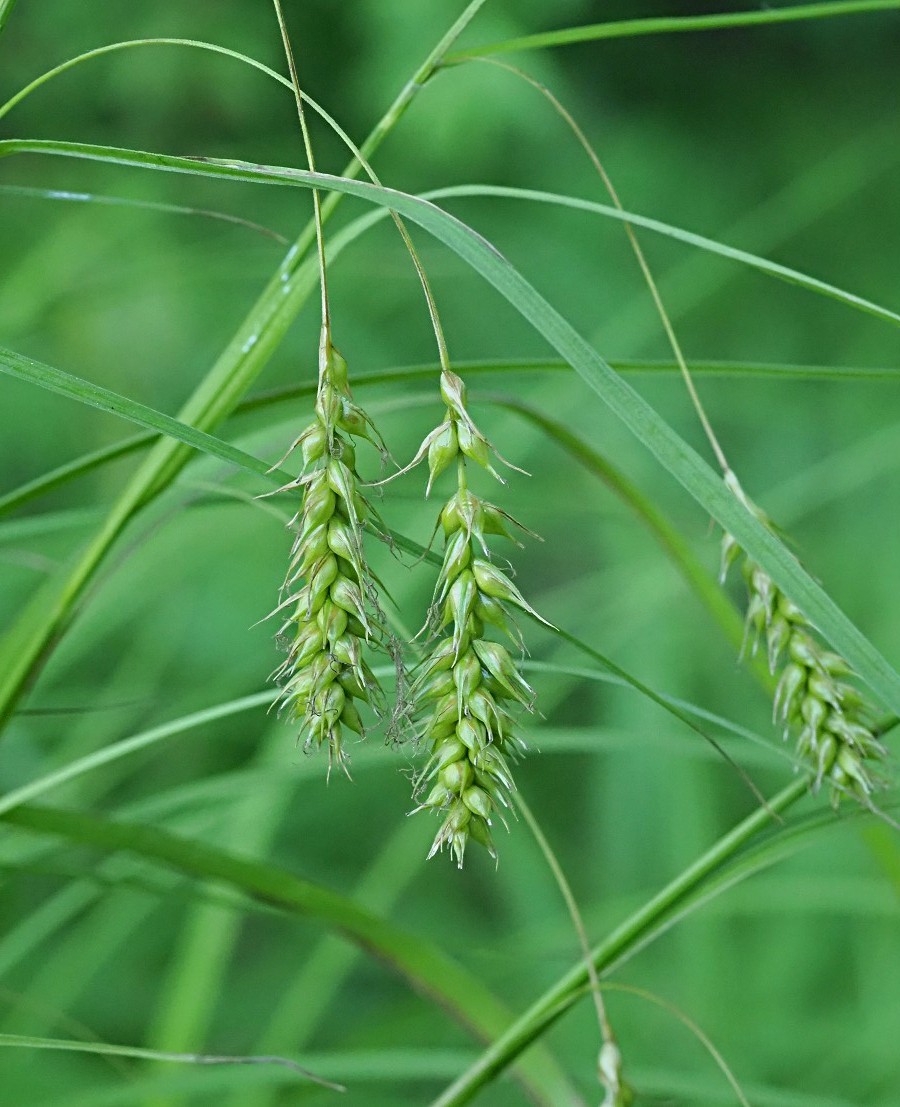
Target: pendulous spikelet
[328, 590]
[832, 721]
[468, 682]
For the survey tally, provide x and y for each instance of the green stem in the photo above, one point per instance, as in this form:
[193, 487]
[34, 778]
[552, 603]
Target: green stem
[311, 162]
[563, 994]
[607, 1036]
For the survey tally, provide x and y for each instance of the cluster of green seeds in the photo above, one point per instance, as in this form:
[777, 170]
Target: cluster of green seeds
[328, 591]
[468, 683]
[832, 721]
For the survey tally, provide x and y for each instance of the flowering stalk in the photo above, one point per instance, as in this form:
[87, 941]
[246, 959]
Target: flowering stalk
[328, 589]
[468, 681]
[832, 720]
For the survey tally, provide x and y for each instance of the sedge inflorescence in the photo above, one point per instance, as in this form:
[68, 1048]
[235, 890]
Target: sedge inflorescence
[468, 684]
[832, 721]
[328, 592]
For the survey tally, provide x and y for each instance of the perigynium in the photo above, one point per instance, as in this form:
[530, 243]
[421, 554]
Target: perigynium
[832, 721]
[328, 589]
[468, 682]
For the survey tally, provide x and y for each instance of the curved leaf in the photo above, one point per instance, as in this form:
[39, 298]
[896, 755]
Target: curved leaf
[720, 21]
[679, 459]
[426, 968]
[66, 384]
[742, 257]
[55, 478]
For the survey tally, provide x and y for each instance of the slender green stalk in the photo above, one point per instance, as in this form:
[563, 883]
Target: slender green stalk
[629, 28]
[563, 112]
[609, 1059]
[114, 47]
[561, 996]
[311, 162]
[109, 1049]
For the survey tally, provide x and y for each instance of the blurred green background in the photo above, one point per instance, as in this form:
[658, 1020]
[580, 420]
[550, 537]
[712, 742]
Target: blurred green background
[782, 141]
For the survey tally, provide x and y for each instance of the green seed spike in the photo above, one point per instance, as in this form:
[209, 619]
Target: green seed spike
[464, 679]
[333, 614]
[833, 723]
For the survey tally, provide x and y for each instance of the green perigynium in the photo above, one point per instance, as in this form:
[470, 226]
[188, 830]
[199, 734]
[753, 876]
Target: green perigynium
[328, 589]
[832, 721]
[468, 683]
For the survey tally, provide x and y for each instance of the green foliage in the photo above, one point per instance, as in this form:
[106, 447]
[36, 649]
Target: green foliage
[195, 892]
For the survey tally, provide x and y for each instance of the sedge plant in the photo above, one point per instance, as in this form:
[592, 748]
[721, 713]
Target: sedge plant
[179, 794]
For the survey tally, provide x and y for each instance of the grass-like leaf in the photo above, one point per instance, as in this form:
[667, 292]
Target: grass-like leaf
[720, 21]
[72, 470]
[428, 970]
[57, 196]
[6, 7]
[654, 433]
[65, 384]
[558, 998]
[710, 245]
[105, 755]
[242, 1085]
[737, 370]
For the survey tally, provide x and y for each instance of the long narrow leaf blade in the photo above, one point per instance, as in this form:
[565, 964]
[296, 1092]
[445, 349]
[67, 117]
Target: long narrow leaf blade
[66, 384]
[676, 456]
[720, 21]
[425, 967]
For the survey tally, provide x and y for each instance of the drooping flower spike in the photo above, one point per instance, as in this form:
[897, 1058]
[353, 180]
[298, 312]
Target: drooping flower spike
[329, 592]
[468, 685]
[832, 721]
